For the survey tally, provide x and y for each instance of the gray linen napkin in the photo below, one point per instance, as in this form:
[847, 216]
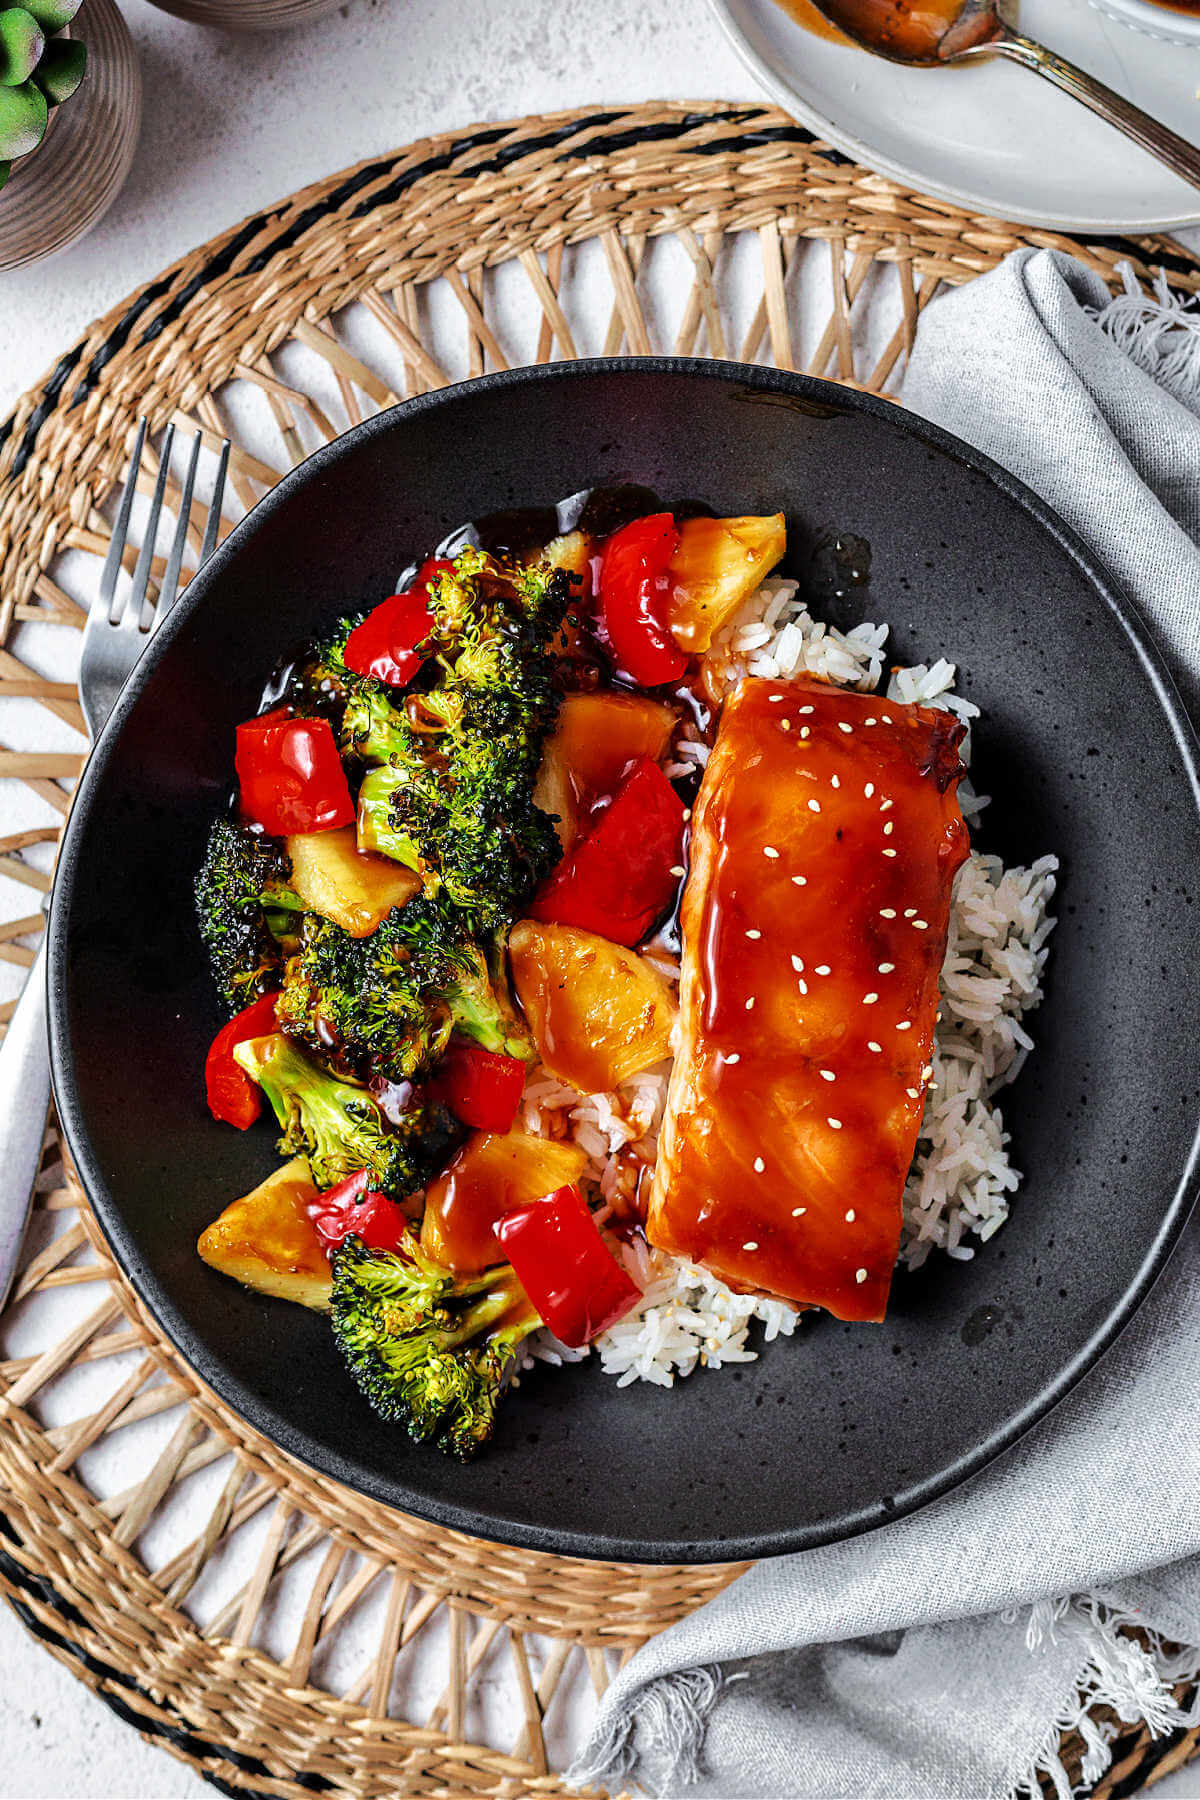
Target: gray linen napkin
[943, 1655]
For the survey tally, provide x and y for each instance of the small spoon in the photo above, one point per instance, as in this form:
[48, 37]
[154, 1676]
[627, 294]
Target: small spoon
[935, 33]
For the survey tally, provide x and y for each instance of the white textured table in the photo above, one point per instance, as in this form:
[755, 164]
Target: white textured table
[231, 124]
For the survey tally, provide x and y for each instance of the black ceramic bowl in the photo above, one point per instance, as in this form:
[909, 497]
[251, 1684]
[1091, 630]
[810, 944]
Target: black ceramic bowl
[1084, 746]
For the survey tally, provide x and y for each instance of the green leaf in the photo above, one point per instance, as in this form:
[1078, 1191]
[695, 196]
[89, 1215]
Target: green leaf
[23, 115]
[61, 69]
[21, 44]
[52, 15]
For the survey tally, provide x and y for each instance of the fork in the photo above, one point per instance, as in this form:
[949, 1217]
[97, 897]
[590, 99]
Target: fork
[118, 629]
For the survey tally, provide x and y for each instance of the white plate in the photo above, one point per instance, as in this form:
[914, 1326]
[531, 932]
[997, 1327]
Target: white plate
[993, 137]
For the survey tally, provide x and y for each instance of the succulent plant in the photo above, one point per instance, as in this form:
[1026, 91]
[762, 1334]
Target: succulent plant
[38, 70]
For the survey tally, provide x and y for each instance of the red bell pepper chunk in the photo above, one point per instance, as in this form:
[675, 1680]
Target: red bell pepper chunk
[480, 1087]
[232, 1096]
[565, 1267]
[623, 875]
[386, 644]
[354, 1207]
[634, 588]
[291, 775]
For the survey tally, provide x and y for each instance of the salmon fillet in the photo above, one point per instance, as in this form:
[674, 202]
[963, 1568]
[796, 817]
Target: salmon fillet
[825, 841]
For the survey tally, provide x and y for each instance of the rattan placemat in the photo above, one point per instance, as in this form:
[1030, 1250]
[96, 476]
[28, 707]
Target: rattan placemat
[688, 228]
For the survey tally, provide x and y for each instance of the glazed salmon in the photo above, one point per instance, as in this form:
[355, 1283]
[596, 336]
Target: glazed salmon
[825, 842]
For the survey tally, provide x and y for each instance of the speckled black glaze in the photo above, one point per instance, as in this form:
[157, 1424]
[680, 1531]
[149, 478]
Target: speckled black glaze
[1083, 744]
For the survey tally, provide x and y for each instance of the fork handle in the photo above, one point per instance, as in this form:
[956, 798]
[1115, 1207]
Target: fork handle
[1150, 133]
[24, 1102]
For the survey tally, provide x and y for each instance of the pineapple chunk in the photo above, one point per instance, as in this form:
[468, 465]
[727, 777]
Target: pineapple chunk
[598, 1013]
[571, 552]
[490, 1176]
[595, 737]
[717, 566]
[353, 887]
[267, 1241]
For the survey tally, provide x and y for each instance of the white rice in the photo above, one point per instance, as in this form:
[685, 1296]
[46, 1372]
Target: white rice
[961, 1182]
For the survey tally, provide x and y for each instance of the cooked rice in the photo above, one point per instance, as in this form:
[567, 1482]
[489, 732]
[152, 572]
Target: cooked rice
[961, 1182]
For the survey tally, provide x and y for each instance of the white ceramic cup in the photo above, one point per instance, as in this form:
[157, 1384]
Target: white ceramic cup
[1161, 22]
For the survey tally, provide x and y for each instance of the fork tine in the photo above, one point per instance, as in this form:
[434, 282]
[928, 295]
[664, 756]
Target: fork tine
[116, 548]
[214, 511]
[168, 591]
[141, 574]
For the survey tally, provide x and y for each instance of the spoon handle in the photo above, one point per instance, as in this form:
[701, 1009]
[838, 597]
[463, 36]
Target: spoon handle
[1158, 139]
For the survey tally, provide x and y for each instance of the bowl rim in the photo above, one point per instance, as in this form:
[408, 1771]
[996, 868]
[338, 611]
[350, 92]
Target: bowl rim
[1162, 23]
[243, 1401]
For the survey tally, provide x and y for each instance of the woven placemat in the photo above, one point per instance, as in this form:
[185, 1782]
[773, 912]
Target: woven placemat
[681, 228]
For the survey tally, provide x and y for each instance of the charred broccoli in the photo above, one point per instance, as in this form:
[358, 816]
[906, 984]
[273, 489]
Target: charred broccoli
[429, 1350]
[248, 913]
[337, 1126]
[386, 1004]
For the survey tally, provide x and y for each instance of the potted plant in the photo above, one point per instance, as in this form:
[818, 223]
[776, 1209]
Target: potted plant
[249, 15]
[70, 107]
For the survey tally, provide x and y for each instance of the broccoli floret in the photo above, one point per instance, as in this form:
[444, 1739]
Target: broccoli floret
[429, 1350]
[386, 1004]
[321, 682]
[359, 1002]
[248, 914]
[471, 982]
[337, 1126]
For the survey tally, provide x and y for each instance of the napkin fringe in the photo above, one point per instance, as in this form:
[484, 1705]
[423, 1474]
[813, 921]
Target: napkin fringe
[673, 1713]
[1117, 1672]
[1160, 334]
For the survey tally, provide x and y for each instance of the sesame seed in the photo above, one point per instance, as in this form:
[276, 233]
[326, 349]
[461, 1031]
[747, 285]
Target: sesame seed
[807, 709]
[877, 1048]
[888, 912]
[850, 1217]
[910, 912]
[870, 999]
[836, 1124]
[687, 813]
[904, 1025]
[803, 986]
[886, 968]
[927, 1071]
[920, 924]
[771, 851]
[798, 964]
[759, 1164]
[775, 699]
[754, 934]
[913, 1093]
[888, 829]
[886, 805]
[889, 853]
[752, 1245]
[799, 880]
[821, 969]
[785, 724]
[798, 1212]
[733, 1057]
[870, 721]
[828, 1075]
[842, 726]
[860, 1275]
[814, 806]
[869, 789]
[678, 869]
[805, 732]
[834, 782]
[750, 1004]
